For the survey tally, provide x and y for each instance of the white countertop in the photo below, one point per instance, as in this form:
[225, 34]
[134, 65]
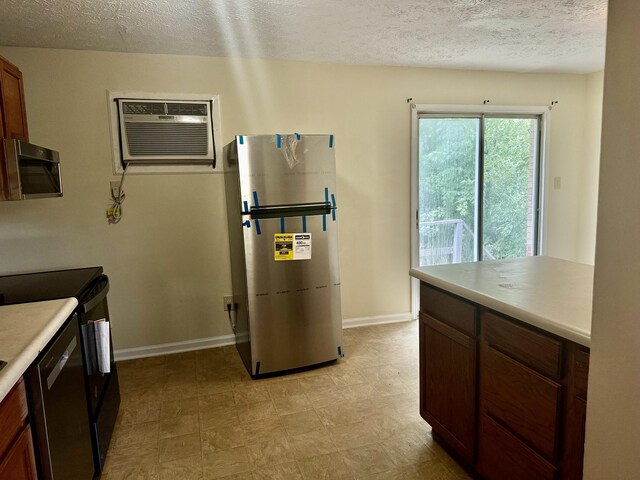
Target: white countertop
[554, 295]
[25, 329]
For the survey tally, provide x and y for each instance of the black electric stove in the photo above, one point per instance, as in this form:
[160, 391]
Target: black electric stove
[37, 287]
[90, 287]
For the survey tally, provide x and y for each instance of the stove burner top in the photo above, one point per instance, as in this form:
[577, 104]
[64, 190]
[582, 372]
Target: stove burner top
[36, 287]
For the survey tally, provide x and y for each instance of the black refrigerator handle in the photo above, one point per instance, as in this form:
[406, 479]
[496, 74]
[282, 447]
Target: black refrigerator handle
[95, 300]
[275, 211]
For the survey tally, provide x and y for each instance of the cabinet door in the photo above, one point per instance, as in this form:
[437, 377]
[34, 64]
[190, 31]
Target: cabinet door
[14, 115]
[448, 384]
[19, 463]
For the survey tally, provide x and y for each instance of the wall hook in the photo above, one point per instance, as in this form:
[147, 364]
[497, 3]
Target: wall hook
[409, 100]
[484, 102]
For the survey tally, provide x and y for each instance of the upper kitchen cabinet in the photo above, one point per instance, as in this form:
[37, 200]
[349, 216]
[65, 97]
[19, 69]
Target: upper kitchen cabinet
[13, 115]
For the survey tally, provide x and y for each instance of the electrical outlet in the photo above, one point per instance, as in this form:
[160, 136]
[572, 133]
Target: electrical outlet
[227, 300]
[115, 189]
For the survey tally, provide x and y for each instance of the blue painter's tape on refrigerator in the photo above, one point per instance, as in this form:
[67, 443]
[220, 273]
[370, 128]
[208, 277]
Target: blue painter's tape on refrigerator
[257, 205]
[330, 141]
[281, 224]
[246, 223]
[340, 354]
[297, 136]
[241, 138]
[304, 224]
[257, 368]
[333, 210]
[279, 141]
[326, 195]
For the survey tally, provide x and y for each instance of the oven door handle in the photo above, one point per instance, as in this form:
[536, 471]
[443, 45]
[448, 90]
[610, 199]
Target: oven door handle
[91, 304]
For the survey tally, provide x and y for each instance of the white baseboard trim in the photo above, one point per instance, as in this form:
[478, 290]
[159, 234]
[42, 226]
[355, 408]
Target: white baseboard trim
[376, 320]
[211, 342]
[177, 347]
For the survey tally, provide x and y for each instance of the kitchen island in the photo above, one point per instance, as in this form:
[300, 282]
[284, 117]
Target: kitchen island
[504, 362]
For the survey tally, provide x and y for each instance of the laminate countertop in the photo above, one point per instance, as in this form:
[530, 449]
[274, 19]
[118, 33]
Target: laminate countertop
[552, 294]
[25, 329]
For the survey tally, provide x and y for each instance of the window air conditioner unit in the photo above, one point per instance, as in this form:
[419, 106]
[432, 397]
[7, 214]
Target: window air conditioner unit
[166, 132]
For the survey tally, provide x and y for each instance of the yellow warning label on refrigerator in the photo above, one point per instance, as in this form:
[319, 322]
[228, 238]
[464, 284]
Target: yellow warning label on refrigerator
[283, 246]
[292, 246]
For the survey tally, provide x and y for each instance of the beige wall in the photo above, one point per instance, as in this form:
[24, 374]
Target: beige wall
[613, 421]
[168, 258]
[589, 168]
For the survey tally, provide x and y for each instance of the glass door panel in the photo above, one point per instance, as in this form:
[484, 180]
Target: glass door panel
[509, 187]
[448, 159]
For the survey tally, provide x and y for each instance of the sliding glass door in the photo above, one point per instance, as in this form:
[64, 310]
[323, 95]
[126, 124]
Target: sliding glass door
[477, 187]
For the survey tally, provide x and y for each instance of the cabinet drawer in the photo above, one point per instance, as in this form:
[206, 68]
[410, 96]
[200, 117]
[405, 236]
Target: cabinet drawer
[13, 413]
[449, 309]
[503, 457]
[538, 351]
[522, 399]
[581, 373]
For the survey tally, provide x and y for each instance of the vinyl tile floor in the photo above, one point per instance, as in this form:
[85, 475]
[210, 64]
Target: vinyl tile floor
[199, 415]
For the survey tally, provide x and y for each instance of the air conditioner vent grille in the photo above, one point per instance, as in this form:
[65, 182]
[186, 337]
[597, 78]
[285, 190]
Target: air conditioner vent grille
[162, 139]
[166, 132]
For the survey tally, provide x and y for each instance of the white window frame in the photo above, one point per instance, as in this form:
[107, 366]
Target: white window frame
[418, 109]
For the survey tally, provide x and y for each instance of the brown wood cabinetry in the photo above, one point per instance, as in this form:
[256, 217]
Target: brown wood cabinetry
[577, 365]
[448, 370]
[509, 398]
[13, 116]
[17, 459]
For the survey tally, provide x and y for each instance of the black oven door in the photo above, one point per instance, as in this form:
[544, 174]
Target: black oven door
[93, 308]
[103, 391]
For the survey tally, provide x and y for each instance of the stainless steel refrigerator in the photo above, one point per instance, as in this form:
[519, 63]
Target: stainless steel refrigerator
[283, 237]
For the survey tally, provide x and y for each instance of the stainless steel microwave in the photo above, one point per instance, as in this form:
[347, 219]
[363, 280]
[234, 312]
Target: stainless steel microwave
[30, 171]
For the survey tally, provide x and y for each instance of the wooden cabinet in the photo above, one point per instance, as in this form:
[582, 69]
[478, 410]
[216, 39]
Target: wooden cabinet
[17, 459]
[520, 400]
[448, 370]
[13, 115]
[577, 365]
[509, 398]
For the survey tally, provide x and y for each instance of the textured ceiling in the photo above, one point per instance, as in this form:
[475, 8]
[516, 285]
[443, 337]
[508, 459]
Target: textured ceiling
[516, 35]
